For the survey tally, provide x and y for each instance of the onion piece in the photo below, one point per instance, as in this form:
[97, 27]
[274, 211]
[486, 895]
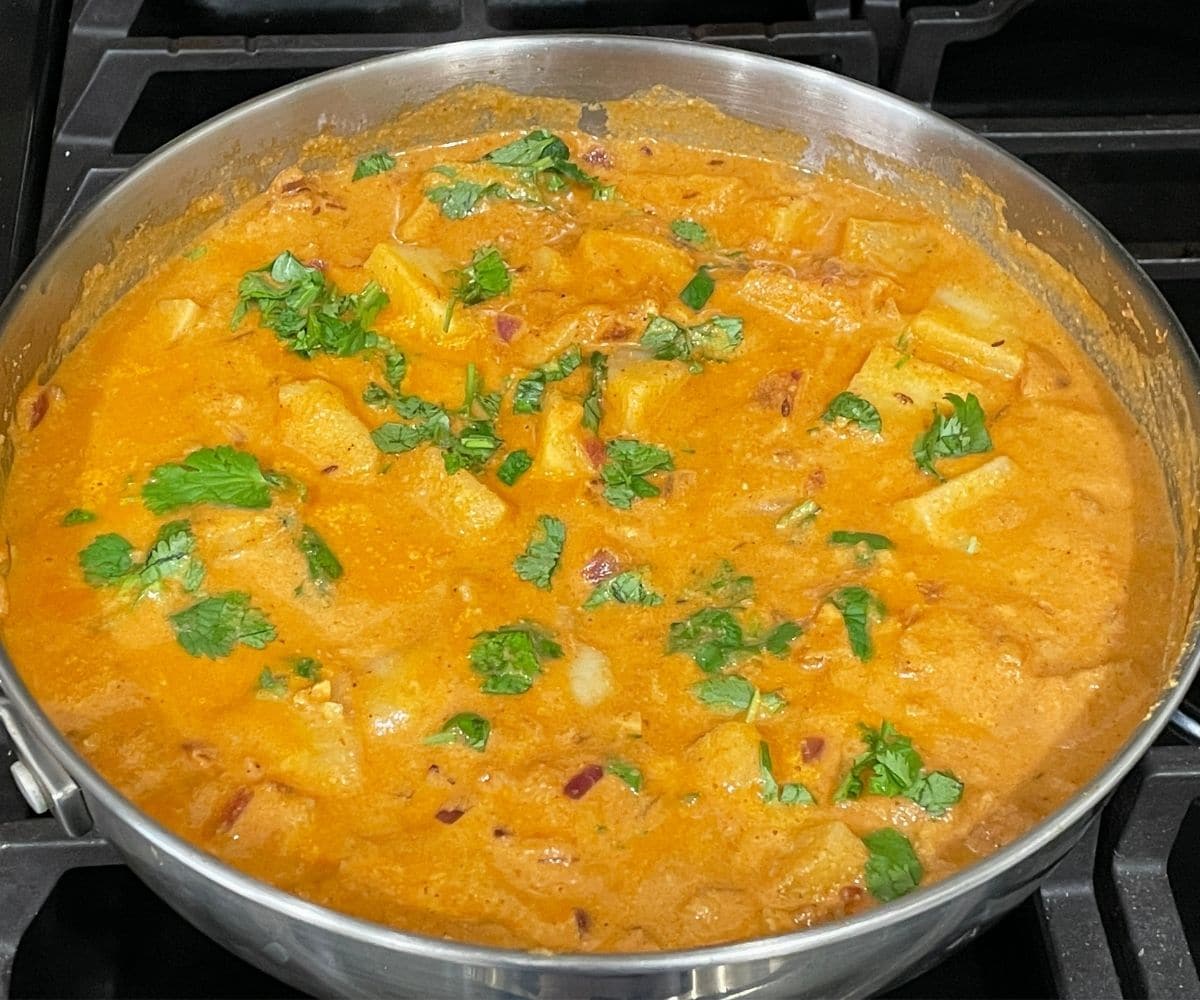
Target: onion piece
[590, 676]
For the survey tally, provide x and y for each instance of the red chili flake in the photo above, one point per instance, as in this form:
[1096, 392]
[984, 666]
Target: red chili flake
[600, 567]
[234, 808]
[593, 447]
[997, 343]
[811, 748]
[328, 469]
[500, 832]
[316, 262]
[716, 163]
[851, 893]
[597, 156]
[38, 410]
[507, 326]
[903, 397]
[449, 816]
[583, 921]
[816, 479]
[582, 783]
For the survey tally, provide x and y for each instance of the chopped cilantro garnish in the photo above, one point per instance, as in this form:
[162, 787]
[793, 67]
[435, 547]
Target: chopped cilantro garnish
[868, 538]
[459, 198]
[713, 340]
[395, 367]
[733, 693]
[897, 769]
[376, 396]
[323, 565]
[699, 290]
[713, 638]
[195, 253]
[271, 684]
[215, 626]
[540, 558]
[729, 587]
[77, 516]
[630, 774]
[962, 433]
[510, 657]
[859, 607]
[629, 463]
[477, 402]
[628, 587]
[788, 794]
[464, 445]
[893, 868]
[467, 728]
[527, 397]
[593, 401]
[375, 163]
[793, 521]
[689, 232]
[514, 466]
[307, 312]
[108, 561]
[484, 278]
[543, 158]
[218, 475]
[853, 409]
[307, 668]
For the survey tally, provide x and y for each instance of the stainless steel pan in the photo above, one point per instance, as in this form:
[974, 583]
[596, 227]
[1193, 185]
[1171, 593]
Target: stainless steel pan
[1145, 354]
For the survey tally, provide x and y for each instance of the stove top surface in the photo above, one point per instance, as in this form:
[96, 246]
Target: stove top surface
[1102, 97]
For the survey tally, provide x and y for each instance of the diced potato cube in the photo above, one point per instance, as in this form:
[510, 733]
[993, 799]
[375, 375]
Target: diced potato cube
[725, 758]
[939, 333]
[821, 860]
[560, 453]
[317, 423]
[896, 383]
[694, 196]
[617, 262]
[418, 285]
[638, 391]
[798, 222]
[940, 512]
[459, 501]
[895, 248]
[178, 317]
[843, 305]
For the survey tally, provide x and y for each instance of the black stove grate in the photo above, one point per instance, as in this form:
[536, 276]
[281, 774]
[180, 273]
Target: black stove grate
[1103, 97]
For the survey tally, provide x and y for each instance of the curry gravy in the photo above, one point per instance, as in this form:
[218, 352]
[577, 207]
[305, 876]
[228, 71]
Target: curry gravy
[1015, 617]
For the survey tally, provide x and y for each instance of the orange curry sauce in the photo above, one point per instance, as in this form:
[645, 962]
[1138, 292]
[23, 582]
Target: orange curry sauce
[665, 780]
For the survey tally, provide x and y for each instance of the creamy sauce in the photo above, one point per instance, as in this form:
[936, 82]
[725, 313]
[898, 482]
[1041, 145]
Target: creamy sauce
[1017, 619]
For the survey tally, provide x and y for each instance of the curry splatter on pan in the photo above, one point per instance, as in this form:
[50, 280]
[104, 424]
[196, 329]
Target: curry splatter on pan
[650, 552]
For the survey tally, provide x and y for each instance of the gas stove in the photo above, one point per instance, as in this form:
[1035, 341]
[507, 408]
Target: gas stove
[1101, 96]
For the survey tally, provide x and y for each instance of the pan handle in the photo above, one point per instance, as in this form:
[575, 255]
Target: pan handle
[42, 780]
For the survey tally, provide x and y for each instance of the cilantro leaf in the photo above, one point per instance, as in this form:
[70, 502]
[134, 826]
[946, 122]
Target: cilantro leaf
[893, 868]
[935, 792]
[476, 401]
[376, 396]
[375, 163]
[172, 556]
[725, 693]
[270, 684]
[484, 278]
[729, 587]
[107, 560]
[215, 626]
[789, 794]
[794, 521]
[628, 587]
[515, 465]
[630, 774]
[395, 367]
[699, 290]
[629, 463]
[511, 657]
[541, 157]
[593, 401]
[467, 728]
[689, 232]
[218, 475]
[858, 607]
[962, 433]
[77, 515]
[471, 447]
[527, 397]
[323, 565]
[459, 199]
[540, 558]
[896, 768]
[306, 667]
[307, 312]
[876, 543]
[713, 638]
[713, 340]
[853, 409]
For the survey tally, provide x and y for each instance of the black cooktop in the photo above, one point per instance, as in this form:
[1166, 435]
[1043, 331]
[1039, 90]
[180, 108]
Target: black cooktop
[1102, 96]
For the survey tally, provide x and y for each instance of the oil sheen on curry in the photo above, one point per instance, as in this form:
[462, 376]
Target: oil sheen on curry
[586, 545]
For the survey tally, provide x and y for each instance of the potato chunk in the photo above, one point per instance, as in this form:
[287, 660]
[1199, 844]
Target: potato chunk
[828, 297]
[178, 317]
[560, 453]
[317, 423]
[460, 501]
[418, 286]
[939, 333]
[618, 262]
[725, 759]
[638, 391]
[942, 513]
[895, 248]
[896, 384]
[822, 860]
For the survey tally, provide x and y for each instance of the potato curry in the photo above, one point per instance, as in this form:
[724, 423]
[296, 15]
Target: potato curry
[586, 545]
